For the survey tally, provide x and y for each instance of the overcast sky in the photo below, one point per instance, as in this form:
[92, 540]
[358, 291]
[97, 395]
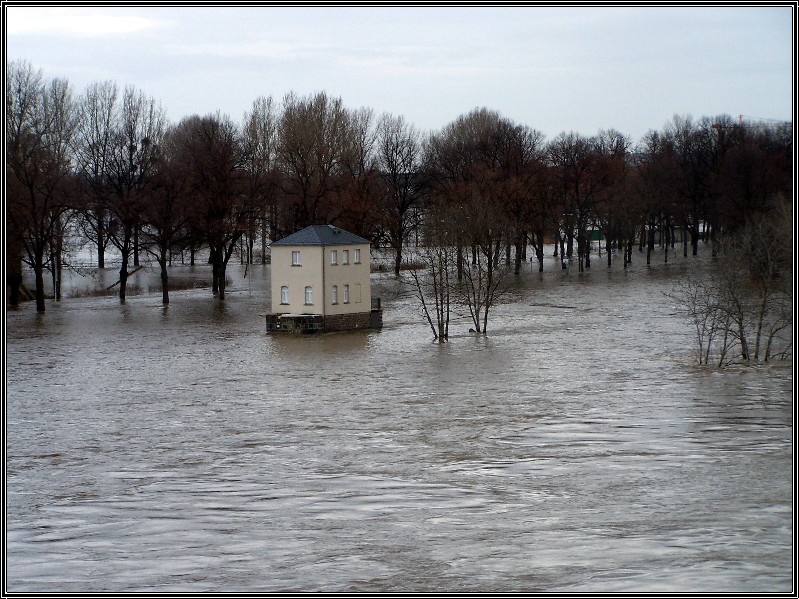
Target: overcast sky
[555, 69]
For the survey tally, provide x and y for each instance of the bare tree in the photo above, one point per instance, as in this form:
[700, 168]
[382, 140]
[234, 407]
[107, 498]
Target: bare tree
[117, 147]
[693, 151]
[40, 123]
[522, 180]
[134, 151]
[653, 185]
[93, 149]
[400, 155]
[747, 301]
[165, 208]
[483, 277]
[613, 202]
[579, 178]
[210, 148]
[699, 303]
[357, 199]
[260, 166]
[311, 135]
[433, 283]
[477, 175]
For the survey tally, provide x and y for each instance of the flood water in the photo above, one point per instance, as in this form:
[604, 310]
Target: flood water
[576, 448]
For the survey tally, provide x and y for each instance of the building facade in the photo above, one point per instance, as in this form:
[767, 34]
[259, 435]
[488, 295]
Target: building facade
[323, 272]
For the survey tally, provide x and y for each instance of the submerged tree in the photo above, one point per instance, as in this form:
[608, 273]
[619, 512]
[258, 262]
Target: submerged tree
[138, 142]
[260, 167]
[40, 123]
[573, 159]
[118, 147]
[434, 281]
[744, 311]
[400, 153]
[210, 149]
[165, 209]
[93, 147]
[479, 166]
[483, 276]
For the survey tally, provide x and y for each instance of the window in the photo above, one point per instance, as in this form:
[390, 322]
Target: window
[295, 259]
[284, 295]
[357, 256]
[309, 296]
[333, 257]
[345, 256]
[346, 294]
[335, 294]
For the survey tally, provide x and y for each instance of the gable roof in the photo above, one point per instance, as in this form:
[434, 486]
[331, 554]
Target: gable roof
[322, 235]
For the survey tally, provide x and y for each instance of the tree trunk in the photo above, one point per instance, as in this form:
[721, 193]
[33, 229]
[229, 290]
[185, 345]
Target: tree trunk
[397, 260]
[540, 253]
[222, 283]
[263, 241]
[744, 344]
[14, 282]
[100, 242]
[136, 245]
[123, 279]
[164, 279]
[684, 240]
[214, 270]
[587, 247]
[39, 272]
[123, 271]
[54, 275]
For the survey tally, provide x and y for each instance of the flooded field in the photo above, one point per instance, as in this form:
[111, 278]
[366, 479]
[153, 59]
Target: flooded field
[576, 448]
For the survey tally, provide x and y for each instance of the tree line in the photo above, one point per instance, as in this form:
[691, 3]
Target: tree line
[480, 194]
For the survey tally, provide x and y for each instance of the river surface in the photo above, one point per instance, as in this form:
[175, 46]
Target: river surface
[576, 448]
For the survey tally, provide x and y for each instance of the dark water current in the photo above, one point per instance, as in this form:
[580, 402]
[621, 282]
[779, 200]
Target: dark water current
[573, 449]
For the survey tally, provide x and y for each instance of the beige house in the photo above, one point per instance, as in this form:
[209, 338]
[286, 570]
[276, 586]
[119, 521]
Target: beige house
[320, 282]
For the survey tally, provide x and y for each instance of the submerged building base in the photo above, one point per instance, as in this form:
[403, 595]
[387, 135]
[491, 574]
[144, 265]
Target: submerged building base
[295, 323]
[316, 323]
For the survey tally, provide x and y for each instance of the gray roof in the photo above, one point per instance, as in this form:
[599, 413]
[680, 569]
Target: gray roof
[322, 235]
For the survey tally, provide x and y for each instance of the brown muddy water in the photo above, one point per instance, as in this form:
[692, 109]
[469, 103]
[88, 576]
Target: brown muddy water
[573, 449]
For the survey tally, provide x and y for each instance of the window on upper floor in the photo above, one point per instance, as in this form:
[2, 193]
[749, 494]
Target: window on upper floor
[333, 257]
[357, 256]
[345, 256]
[295, 258]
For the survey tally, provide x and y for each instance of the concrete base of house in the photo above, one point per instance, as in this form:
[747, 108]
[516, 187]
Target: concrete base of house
[295, 323]
[316, 323]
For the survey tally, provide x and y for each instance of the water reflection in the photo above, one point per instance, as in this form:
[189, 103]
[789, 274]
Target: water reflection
[575, 448]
